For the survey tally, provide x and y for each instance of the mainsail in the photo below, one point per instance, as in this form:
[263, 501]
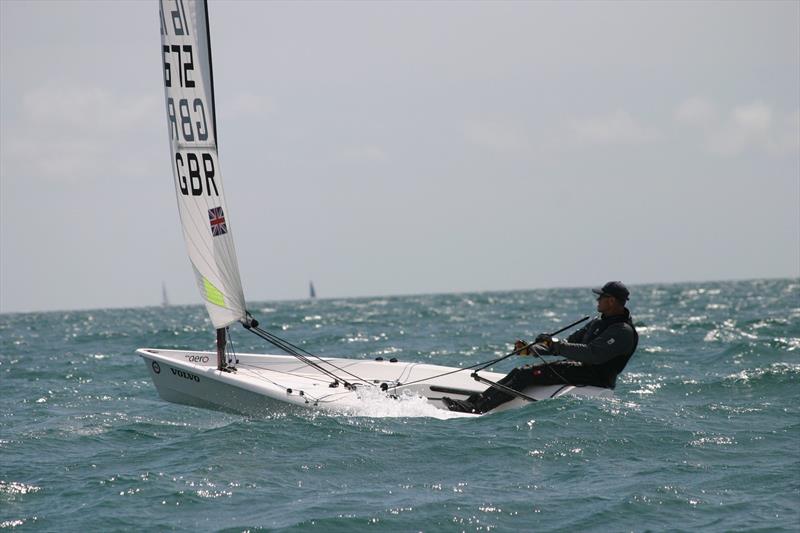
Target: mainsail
[191, 119]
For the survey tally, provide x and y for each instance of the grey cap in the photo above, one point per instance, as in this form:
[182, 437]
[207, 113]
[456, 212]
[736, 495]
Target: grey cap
[617, 289]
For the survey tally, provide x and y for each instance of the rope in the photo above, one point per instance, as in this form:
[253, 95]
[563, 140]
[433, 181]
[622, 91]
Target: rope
[515, 352]
[306, 357]
[232, 350]
[493, 361]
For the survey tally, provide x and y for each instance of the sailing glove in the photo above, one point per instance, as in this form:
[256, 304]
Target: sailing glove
[555, 346]
[519, 347]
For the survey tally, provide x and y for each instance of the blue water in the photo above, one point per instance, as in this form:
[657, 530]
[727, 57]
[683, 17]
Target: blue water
[704, 431]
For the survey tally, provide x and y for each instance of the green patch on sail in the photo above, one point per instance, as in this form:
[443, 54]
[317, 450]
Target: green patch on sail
[213, 294]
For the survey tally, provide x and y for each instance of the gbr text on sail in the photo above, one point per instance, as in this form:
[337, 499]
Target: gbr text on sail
[189, 115]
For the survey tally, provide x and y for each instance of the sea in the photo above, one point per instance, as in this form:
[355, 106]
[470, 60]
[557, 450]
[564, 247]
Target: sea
[703, 432]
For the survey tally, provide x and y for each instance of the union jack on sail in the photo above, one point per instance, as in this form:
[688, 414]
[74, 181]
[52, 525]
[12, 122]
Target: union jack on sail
[217, 219]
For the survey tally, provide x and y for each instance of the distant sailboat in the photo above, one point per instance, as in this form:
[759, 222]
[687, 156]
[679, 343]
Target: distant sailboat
[164, 297]
[257, 383]
[311, 292]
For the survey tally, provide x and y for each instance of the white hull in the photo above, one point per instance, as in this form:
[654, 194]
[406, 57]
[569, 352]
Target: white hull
[266, 384]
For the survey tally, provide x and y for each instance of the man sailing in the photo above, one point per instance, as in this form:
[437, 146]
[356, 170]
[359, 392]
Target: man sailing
[595, 354]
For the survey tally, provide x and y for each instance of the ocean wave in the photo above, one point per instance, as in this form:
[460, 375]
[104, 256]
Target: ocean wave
[12, 523]
[712, 440]
[774, 370]
[15, 487]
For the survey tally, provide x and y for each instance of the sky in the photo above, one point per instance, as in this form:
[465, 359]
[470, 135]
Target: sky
[383, 148]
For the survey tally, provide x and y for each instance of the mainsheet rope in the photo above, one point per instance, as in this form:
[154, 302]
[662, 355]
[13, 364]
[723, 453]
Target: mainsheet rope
[306, 357]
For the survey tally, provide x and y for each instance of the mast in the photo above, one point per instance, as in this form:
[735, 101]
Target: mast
[221, 341]
[211, 75]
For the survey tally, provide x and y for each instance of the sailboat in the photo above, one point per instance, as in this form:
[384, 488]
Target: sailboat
[258, 384]
[164, 297]
[311, 292]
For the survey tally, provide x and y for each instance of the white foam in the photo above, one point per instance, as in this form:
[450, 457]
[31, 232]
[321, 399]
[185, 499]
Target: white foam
[373, 403]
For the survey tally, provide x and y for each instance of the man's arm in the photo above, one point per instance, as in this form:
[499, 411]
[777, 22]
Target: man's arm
[616, 340]
[578, 335]
[574, 337]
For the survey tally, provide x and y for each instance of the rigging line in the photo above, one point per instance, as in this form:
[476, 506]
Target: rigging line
[297, 354]
[328, 362]
[562, 387]
[503, 388]
[334, 396]
[550, 368]
[254, 367]
[233, 347]
[325, 400]
[530, 345]
[406, 372]
[280, 343]
[450, 372]
[255, 375]
[486, 364]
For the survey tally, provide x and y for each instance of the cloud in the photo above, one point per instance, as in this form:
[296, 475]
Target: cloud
[364, 153]
[746, 126]
[76, 133]
[86, 109]
[755, 126]
[787, 135]
[497, 136]
[695, 111]
[752, 126]
[617, 128]
[246, 104]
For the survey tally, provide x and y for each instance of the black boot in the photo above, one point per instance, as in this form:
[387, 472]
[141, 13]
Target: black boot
[460, 406]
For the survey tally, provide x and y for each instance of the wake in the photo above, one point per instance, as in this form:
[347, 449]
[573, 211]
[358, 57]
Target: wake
[374, 403]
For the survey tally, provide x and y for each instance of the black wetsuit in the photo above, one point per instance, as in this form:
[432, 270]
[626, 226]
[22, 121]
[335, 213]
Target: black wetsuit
[598, 352]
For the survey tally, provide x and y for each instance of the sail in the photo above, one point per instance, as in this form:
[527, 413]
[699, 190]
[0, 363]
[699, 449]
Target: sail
[191, 121]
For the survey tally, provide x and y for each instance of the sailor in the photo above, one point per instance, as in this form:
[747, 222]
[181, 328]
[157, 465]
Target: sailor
[595, 354]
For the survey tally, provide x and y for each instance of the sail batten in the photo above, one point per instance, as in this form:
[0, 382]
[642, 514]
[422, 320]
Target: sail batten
[191, 125]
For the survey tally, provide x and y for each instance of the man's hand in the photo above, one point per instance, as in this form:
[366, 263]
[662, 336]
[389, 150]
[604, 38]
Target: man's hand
[545, 339]
[520, 347]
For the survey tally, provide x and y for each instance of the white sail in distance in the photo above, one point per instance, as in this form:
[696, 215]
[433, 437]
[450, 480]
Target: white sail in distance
[191, 121]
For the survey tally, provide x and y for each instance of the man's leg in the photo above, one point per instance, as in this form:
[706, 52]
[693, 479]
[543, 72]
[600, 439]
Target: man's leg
[572, 373]
[517, 379]
[559, 373]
